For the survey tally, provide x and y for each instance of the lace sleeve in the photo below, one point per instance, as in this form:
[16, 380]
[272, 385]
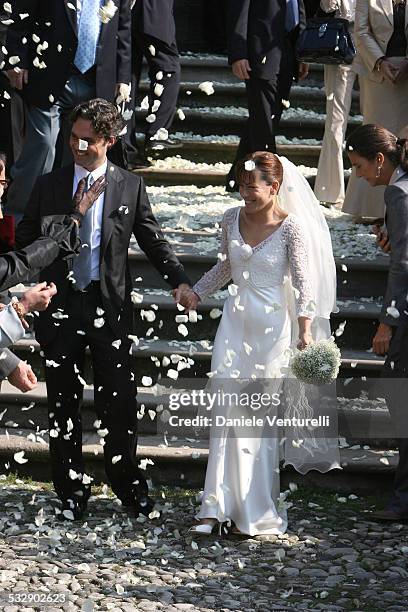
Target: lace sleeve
[219, 274]
[299, 269]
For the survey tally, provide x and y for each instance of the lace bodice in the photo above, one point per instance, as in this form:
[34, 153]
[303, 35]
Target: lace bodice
[265, 265]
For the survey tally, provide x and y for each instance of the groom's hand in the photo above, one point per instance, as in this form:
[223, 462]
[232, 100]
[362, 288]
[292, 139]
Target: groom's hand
[241, 69]
[382, 339]
[184, 296]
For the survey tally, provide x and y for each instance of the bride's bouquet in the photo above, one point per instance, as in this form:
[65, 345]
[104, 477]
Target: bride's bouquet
[317, 364]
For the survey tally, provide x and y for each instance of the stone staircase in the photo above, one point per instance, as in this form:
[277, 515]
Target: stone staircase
[209, 145]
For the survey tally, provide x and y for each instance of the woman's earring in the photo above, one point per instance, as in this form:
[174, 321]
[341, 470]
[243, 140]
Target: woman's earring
[379, 168]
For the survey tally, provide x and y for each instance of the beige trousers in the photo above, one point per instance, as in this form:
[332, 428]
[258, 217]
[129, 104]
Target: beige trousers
[386, 105]
[338, 83]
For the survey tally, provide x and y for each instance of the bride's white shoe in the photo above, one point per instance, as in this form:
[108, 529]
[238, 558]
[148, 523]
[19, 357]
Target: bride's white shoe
[205, 528]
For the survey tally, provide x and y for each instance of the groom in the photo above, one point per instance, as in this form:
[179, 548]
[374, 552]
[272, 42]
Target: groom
[93, 308]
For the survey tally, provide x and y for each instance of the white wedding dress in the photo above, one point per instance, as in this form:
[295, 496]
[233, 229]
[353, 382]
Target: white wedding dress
[253, 341]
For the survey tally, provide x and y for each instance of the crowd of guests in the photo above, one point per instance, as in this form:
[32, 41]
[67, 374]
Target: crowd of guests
[82, 58]
[72, 205]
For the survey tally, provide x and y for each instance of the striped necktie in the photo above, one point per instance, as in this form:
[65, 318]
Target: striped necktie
[82, 264]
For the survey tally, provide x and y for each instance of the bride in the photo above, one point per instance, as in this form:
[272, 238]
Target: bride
[277, 251]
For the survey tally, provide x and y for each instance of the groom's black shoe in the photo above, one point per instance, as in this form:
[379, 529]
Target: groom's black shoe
[141, 505]
[78, 509]
[388, 516]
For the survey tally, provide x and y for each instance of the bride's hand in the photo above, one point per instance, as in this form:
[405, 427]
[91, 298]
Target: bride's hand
[304, 340]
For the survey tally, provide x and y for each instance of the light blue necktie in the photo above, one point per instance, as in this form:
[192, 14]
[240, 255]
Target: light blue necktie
[88, 34]
[292, 15]
[82, 264]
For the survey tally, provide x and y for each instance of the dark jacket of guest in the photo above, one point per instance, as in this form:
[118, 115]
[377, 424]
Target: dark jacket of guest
[126, 210]
[396, 201]
[54, 22]
[60, 238]
[257, 33]
[155, 18]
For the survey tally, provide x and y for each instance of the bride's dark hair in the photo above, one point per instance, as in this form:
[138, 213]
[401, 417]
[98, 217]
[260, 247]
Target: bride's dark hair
[268, 165]
[369, 140]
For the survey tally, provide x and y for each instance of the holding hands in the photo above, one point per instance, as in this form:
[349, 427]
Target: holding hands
[36, 298]
[186, 297]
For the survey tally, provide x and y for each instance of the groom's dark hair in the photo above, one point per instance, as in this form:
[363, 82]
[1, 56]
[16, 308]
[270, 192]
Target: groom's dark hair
[105, 118]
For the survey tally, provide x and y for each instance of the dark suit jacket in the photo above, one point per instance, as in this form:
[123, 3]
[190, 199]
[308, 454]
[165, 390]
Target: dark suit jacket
[125, 192]
[396, 202]
[155, 18]
[256, 30]
[113, 58]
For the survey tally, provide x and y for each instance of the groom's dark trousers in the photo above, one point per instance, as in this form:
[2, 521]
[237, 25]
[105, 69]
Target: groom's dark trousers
[73, 321]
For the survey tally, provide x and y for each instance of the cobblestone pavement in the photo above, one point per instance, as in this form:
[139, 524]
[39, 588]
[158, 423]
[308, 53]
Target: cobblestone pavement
[332, 558]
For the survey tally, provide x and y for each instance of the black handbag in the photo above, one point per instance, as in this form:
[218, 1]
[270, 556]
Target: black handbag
[326, 41]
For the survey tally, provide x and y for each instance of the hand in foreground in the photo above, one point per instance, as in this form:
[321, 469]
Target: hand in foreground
[382, 339]
[382, 237]
[241, 69]
[186, 297]
[305, 338]
[390, 71]
[38, 297]
[22, 377]
[18, 77]
[402, 74]
[303, 71]
[83, 200]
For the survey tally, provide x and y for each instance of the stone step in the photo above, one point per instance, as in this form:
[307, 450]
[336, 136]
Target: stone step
[355, 276]
[199, 67]
[197, 250]
[155, 357]
[204, 150]
[183, 462]
[354, 325]
[361, 421]
[211, 176]
[357, 319]
[230, 120]
[234, 93]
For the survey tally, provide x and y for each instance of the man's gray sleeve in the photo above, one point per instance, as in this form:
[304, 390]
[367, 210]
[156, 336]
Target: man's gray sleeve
[397, 226]
[8, 363]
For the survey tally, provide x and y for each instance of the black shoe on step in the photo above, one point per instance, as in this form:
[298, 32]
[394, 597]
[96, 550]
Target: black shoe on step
[72, 508]
[140, 505]
[159, 145]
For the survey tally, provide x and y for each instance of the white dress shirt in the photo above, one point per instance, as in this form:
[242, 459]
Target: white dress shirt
[96, 211]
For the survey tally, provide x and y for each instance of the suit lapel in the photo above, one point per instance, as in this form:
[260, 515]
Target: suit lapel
[62, 190]
[72, 14]
[105, 26]
[388, 9]
[112, 201]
